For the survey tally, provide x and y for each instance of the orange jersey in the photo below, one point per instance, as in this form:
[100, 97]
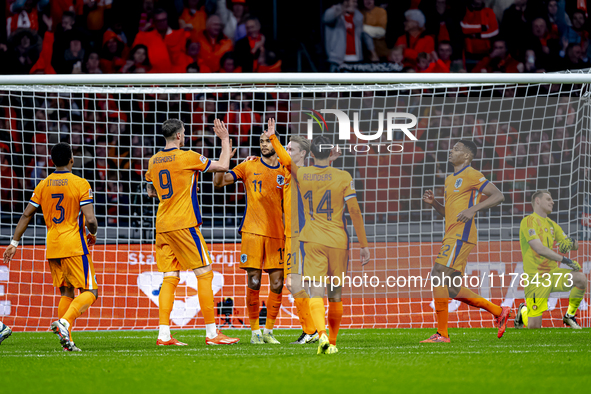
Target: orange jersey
[60, 197]
[174, 174]
[324, 191]
[462, 191]
[264, 192]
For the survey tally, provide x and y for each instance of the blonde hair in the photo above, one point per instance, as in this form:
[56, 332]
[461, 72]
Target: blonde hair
[538, 194]
[304, 143]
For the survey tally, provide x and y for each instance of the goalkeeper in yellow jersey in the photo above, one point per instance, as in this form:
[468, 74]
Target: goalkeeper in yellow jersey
[537, 236]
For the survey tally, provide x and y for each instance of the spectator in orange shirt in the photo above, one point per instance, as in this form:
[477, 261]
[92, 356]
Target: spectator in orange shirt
[193, 18]
[166, 46]
[499, 60]
[214, 44]
[479, 26]
[415, 39]
[114, 53]
[440, 60]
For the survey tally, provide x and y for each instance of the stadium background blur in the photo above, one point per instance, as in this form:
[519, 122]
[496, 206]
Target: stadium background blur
[114, 137]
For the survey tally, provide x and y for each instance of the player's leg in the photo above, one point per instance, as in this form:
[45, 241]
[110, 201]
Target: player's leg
[315, 275]
[577, 292]
[190, 250]
[251, 260]
[5, 332]
[67, 296]
[78, 272]
[536, 299]
[301, 297]
[338, 264]
[273, 264]
[168, 264]
[458, 258]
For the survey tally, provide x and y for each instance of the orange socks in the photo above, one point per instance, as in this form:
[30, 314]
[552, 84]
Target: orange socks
[62, 308]
[467, 296]
[441, 296]
[317, 312]
[205, 294]
[166, 298]
[252, 305]
[302, 303]
[335, 315]
[79, 306]
[273, 306]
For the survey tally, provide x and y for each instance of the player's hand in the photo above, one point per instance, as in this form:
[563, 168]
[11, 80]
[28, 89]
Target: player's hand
[429, 197]
[270, 128]
[571, 263]
[335, 153]
[91, 239]
[9, 253]
[566, 245]
[249, 158]
[364, 256]
[219, 128]
[466, 215]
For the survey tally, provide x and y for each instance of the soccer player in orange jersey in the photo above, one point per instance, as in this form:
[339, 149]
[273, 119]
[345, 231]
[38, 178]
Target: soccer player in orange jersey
[172, 177]
[66, 202]
[324, 239]
[463, 191]
[294, 156]
[262, 232]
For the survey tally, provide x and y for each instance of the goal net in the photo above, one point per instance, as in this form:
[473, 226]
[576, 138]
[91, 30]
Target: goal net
[394, 134]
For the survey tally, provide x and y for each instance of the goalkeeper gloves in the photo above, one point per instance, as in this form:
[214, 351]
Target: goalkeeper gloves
[566, 245]
[571, 263]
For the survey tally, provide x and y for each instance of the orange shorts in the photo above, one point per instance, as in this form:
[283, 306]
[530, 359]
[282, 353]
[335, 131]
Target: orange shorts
[181, 250]
[292, 256]
[77, 272]
[320, 261]
[260, 252]
[454, 254]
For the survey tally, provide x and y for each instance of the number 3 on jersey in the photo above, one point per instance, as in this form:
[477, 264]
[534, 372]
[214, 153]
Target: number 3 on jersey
[165, 183]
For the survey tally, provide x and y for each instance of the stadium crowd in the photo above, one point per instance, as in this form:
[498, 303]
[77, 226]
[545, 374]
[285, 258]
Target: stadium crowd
[116, 36]
[113, 135]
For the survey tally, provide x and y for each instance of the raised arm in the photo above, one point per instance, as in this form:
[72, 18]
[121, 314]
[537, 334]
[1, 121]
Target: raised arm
[223, 164]
[429, 198]
[220, 179]
[22, 225]
[357, 220]
[284, 157]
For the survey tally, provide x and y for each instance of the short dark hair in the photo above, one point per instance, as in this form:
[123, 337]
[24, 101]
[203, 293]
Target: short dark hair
[471, 147]
[319, 153]
[171, 127]
[61, 153]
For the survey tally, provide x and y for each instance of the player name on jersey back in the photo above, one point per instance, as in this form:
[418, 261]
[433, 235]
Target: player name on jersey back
[60, 197]
[174, 173]
[264, 184]
[324, 191]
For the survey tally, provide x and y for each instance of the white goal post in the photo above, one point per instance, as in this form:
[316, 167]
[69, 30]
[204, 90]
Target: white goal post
[532, 130]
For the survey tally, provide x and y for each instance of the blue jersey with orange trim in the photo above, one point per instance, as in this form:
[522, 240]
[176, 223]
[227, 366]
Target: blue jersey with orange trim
[60, 196]
[264, 192]
[174, 174]
[324, 191]
[463, 190]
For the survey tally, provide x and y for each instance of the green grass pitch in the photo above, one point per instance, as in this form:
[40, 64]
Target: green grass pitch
[369, 361]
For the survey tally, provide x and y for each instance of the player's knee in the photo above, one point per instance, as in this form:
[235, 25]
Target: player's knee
[289, 288]
[580, 280]
[276, 285]
[254, 283]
